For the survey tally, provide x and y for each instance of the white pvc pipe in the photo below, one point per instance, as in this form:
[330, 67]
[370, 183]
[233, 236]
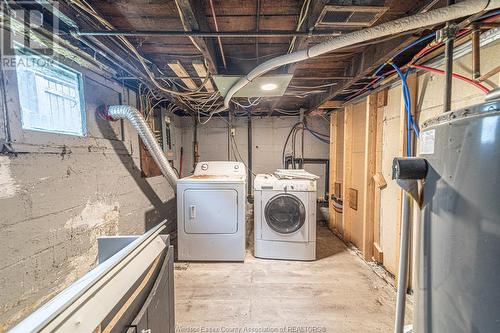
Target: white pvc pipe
[405, 24]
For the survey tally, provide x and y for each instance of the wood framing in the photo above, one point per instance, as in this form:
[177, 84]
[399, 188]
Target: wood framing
[333, 168]
[180, 71]
[369, 172]
[380, 182]
[331, 105]
[301, 43]
[194, 20]
[346, 220]
[201, 70]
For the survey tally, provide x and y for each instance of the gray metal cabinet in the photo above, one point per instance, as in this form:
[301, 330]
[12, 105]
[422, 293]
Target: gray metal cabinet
[157, 313]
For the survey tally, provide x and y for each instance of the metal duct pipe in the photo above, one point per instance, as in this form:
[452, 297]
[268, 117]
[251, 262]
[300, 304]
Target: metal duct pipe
[134, 116]
[417, 21]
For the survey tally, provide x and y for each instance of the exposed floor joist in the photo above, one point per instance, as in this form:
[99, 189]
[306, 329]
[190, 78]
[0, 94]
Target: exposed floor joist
[365, 63]
[193, 20]
[303, 42]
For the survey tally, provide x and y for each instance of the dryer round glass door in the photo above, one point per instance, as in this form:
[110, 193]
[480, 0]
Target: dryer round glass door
[285, 213]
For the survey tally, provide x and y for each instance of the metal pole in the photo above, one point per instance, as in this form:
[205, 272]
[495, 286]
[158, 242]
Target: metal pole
[195, 142]
[229, 134]
[250, 164]
[476, 60]
[211, 34]
[403, 265]
[448, 57]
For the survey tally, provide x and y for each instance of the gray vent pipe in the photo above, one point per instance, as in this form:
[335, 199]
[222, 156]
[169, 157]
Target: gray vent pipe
[405, 24]
[135, 118]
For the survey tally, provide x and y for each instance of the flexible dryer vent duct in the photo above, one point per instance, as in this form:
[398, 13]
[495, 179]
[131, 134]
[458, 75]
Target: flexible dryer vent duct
[135, 118]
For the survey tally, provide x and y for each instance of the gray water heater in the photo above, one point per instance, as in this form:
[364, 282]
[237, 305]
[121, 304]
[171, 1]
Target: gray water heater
[457, 275]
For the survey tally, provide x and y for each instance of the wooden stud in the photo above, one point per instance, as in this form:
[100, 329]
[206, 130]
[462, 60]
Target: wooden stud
[382, 98]
[200, 69]
[332, 172]
[346, 220]
[180, 71]
[369, 172]
[331, 105]
[378, 178]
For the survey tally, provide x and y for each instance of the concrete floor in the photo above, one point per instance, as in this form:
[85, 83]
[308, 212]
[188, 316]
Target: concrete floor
[336, 293]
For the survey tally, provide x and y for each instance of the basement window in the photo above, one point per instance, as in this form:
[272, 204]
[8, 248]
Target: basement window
[50, 95]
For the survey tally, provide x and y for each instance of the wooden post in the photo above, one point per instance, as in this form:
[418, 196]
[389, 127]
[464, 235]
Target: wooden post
[382, 102]
[333, 166]
[346, 183]
[369, 172]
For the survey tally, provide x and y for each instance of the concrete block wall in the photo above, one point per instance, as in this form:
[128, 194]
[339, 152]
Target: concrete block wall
[60, 192]
[268, 136]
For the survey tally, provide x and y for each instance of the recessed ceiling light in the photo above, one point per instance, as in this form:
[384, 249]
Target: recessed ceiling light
[269, 86]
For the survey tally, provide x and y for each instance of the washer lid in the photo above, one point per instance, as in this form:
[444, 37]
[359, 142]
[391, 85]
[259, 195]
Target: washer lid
[285, 213]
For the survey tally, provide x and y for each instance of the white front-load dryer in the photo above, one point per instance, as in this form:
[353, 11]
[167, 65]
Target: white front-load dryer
[284, 218]
[211, 206]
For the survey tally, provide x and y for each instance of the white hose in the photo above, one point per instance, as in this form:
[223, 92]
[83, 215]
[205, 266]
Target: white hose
[135, 118]
[405, 24]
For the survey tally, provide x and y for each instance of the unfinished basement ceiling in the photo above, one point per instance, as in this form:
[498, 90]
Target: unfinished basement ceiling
[315, 81]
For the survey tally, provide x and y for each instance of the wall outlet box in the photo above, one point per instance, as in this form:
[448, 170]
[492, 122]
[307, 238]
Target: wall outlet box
[233, 131]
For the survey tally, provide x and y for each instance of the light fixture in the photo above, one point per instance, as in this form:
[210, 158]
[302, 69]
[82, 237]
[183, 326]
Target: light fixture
[268, 86]
[263, 86]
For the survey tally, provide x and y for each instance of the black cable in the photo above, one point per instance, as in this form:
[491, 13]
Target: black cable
[286, 143]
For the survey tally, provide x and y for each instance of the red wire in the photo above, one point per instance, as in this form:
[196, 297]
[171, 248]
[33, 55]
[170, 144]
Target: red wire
[457, 76]
[425, 51]
[371, 83]
[428, 48]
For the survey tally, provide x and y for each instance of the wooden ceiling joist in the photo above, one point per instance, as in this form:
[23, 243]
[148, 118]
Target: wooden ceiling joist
[303, 42]
[201, 70]
[181, 72]
[365, 63]
[194, 20]
[331, 105]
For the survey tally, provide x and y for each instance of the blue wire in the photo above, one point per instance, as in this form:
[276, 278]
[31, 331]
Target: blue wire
[418, 41]
[407, 101]
[496, 12]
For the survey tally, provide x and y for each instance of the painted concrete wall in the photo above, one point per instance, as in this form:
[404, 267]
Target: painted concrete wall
[269, 135]
[61, 192]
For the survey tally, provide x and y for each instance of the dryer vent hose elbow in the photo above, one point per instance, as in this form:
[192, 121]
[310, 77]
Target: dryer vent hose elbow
[134, 116]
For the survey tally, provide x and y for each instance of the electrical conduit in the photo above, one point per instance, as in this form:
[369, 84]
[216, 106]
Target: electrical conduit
[417, 21]
[134, 116]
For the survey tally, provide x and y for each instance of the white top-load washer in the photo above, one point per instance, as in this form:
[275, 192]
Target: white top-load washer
[285, 218]
[211, 213]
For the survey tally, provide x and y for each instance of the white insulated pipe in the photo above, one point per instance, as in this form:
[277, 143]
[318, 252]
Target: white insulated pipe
[405, 24]
[134, 116]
